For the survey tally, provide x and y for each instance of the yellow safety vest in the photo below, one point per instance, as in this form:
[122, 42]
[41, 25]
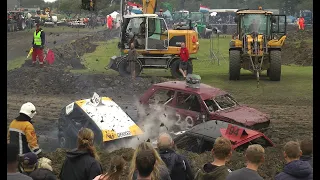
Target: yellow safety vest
[37, 38]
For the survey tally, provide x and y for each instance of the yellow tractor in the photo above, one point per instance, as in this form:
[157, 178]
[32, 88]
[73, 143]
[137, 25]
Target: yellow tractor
[257, 45]
[158, 47]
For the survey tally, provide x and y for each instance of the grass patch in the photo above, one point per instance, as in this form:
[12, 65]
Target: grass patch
[96, 61]
[295, 86]
[15, 63]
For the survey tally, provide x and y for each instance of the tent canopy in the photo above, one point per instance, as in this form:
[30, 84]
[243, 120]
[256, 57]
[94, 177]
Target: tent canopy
[114, 14]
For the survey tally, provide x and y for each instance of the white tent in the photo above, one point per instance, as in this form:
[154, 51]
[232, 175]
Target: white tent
[114, 14]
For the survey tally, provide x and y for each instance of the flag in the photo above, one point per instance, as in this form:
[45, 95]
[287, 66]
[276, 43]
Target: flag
[136, 8]
[50, 56]
[30, 52]
[204, 9]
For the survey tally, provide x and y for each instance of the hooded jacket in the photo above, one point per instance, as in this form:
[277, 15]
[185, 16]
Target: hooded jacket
[210, 171]
[80, 165]
[178, 166]
[307, 158]
[22, 133]
[296, 170]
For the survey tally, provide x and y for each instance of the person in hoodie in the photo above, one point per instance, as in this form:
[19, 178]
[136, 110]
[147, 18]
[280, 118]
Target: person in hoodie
[307, 149]
[22, 133]
[178, 165]
[82, 163]
[295, 169]
[221, 152]
[255, 157]
[43, 171]
[160, 171]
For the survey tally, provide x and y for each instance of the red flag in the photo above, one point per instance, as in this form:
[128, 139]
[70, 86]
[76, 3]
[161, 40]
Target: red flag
[50, 57]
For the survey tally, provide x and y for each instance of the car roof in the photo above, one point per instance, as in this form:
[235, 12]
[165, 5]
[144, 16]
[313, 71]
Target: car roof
[254, 11]
[211, 129]
[205, 91]
[107, 115]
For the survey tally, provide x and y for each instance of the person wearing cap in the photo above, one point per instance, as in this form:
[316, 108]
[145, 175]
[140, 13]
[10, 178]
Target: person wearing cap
[22, 132]
[28, 163]
[12, 164]
[38, 42]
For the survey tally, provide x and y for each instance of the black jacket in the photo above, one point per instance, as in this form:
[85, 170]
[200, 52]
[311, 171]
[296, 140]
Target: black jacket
[296, 170]
[178, 165]
[42, 174]
[43, 39]
[79, 165]
[163, 170]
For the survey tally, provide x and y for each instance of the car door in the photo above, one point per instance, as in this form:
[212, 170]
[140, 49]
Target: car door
[188, 109]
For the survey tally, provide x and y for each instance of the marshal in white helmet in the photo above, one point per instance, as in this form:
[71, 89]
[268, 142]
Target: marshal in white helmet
[22, 132]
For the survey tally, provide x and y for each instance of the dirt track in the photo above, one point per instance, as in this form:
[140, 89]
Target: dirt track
[52, 88]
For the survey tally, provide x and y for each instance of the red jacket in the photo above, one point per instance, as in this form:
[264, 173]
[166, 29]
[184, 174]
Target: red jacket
[184, 54]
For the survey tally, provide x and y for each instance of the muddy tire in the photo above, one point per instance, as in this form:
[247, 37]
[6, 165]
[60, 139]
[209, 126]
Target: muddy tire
[124, 68]
[175, 69]
[234, 65]
[275, 65]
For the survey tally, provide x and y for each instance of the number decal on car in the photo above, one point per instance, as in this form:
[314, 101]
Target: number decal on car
[186, 123]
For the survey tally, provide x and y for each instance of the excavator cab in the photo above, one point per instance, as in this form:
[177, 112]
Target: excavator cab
[147, 31]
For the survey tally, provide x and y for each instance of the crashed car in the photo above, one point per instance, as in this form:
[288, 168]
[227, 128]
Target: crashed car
[187, 102]
[201, 137]
[100, 114]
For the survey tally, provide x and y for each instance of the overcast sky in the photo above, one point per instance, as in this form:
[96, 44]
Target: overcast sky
[49, 0]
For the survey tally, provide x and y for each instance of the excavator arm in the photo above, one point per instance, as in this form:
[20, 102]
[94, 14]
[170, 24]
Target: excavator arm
[149, 6]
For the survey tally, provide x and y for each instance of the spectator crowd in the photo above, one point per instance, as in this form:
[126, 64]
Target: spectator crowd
[160, 163]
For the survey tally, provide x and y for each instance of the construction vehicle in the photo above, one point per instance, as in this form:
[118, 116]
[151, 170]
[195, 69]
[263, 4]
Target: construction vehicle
[257, 45]
[15, 21]
[157, 46]
[201, 21]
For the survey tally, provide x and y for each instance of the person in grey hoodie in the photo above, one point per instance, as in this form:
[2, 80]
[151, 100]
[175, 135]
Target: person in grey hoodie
[221, 152]
[295, 169]
[307, 149]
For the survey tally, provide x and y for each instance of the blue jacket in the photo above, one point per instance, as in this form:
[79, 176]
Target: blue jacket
[307, 158]
[296, 170]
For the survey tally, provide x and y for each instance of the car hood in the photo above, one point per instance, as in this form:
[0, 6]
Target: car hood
[244, 115]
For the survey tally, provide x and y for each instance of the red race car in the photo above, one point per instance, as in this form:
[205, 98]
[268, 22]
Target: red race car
[192, 105]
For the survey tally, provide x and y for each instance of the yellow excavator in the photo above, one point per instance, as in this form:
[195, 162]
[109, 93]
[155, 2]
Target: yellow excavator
[257, 45]
[158, 47]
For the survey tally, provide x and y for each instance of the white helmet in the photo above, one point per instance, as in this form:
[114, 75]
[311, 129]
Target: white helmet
[28, 109]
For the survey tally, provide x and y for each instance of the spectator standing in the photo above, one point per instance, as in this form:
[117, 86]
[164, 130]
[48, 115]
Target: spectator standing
[184, 57]
[307, 149]
[132, 58]
[160, 171]
[145, 163]
[21, 131]
[28, 164]
[255, 157]
[44, 170]
[178, 165]
[295, 169]
[115, 170]
[12, 164]
[221, 152]
[38, 42]
[82, 163]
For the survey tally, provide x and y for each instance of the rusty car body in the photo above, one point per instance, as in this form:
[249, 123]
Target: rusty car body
[190, 104]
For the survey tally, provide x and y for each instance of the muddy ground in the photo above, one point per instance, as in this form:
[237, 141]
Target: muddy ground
[53, 87]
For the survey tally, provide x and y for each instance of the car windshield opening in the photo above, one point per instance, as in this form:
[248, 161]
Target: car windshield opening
[225, 101]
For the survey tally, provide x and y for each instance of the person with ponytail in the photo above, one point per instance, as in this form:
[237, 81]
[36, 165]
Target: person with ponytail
[115, 170]
[82, 163]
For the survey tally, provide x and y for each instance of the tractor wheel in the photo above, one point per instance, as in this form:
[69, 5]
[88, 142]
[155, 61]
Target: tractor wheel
[275, 65]
[124, 68]
[175, 69]
[234, 65]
